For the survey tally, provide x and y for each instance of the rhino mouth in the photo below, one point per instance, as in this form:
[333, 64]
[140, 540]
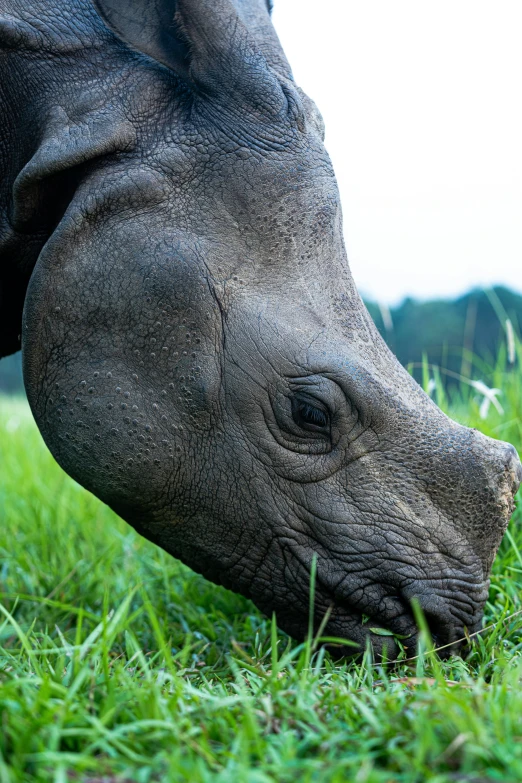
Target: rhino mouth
[392, 631]
[391, 640]
[388, 637]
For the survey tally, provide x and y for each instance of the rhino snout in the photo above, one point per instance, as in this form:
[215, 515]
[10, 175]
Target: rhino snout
[453, 607]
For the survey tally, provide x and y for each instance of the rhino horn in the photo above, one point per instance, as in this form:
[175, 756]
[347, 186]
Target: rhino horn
[220, 48]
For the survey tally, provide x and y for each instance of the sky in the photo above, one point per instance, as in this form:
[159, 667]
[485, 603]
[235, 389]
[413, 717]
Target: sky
[423, 109]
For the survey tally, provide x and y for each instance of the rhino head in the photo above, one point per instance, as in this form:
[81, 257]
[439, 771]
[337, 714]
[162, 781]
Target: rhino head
[196, 353]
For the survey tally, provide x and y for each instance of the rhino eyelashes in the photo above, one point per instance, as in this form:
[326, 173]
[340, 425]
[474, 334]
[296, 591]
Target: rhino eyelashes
[308, 416]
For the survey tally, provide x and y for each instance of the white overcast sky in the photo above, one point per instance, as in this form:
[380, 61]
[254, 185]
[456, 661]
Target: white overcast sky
[423, 109]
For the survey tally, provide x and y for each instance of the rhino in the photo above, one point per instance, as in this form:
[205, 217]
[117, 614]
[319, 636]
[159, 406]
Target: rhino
[195, 351]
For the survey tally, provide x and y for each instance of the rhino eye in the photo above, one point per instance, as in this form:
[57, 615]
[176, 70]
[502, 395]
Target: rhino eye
[309, 416]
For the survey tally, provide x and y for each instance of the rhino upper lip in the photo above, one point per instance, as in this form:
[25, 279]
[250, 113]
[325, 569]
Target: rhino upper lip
[402, 623]
[447, 626]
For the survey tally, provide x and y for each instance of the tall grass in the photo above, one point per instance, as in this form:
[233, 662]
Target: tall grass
[119, 664]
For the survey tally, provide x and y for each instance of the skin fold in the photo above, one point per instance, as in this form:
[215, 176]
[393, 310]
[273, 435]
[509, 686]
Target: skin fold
[195, 351]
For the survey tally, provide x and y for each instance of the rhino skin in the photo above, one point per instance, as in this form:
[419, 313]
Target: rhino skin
[195, 351]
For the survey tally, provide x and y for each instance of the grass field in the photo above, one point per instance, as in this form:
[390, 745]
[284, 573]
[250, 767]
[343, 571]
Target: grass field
[119, 664]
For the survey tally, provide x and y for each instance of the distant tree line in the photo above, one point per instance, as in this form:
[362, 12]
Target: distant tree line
[462, 336]
[452, 334]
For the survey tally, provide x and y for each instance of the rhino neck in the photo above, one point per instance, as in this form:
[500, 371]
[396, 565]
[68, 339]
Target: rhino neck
[56, 123]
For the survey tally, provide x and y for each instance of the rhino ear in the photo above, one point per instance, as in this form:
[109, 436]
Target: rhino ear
[221, 48]
[256, 16]
[150, 27]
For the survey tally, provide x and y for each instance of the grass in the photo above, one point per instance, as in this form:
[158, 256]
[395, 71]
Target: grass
[119, 664]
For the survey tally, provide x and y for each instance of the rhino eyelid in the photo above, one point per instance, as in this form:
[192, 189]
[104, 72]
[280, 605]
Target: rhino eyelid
[310, 399]
[309, 392]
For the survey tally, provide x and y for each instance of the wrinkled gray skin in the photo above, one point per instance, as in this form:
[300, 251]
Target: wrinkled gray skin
[195, 351]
